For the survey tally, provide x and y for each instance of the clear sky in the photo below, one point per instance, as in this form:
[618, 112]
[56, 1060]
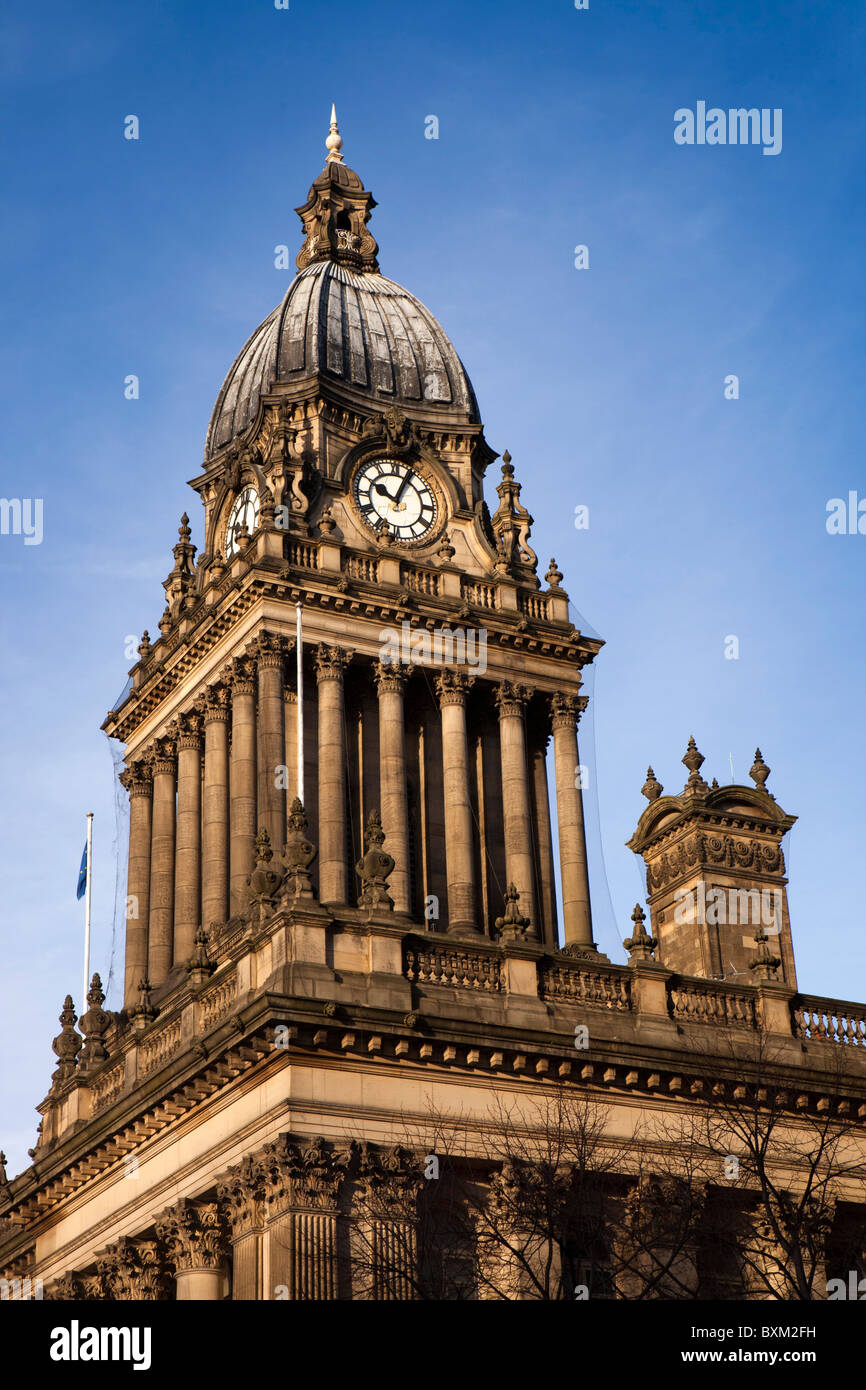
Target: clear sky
[707, 515]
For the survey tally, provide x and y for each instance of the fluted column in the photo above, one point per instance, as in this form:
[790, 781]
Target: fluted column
[161, 925]
[511, 702]
[544, 833]
[272, 738]
[390, 683]
[576, 914]
[453, 689]
[138, 780]
[333, 872]
[242, 811]
[187, 888]
[194, 1239]
[215, 850]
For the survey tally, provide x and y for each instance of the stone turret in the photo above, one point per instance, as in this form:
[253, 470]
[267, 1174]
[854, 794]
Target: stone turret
[715, 873]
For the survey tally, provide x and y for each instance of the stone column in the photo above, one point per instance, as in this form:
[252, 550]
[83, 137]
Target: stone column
[390, 682]
[303, 1181]
[161, 924]
[544, 835]
[243, 779]
[333, 872]
[453, 688]
[187, 888]
[215, 853]
[576, 914]
[272, 738]
[138, 780]
[242, 1197]
[511, 702]
[193, 1237]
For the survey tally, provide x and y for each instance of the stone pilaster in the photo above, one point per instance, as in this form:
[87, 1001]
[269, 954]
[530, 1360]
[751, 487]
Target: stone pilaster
[270, 653]
[194, 1240]
[187, 889]
[303, 1182]
[385, 1225]
[161, 925]
[453, 688]
[242, 1197]
[390, 684]
[215, 830]
[333, 870]
[576, 914]
[511, 703]
[138, 780]
[242, 811]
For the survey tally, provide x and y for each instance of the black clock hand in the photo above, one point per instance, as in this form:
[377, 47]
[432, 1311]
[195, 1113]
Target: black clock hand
[404, 485]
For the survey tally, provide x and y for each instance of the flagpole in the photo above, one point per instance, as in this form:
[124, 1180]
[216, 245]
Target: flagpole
[87, 914]
[299, 653]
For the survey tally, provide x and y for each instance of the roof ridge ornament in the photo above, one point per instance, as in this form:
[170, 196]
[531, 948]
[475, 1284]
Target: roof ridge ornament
[334, 142]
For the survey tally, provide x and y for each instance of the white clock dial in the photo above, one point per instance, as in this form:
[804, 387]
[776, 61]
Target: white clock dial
[244, 512]
[386, 490]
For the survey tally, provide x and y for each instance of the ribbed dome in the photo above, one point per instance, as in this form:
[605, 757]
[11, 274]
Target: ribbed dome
[356, 327]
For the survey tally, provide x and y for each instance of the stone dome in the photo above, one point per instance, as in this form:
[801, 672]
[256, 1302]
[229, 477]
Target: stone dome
[356, 328]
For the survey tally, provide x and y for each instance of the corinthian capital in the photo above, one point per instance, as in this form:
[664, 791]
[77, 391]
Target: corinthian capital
[216, 703]
[138, 779]
[331, 662]
[189, 730]
[390, 676]
[242, 1195]
[305, 1173]
[565, 710]
[270, 649]
[164, 757]
[192, 1235]
[241, 675]
[511, 698]
[452, 687]
[133, 1270]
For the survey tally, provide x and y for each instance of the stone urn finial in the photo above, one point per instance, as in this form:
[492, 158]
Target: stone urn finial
[759, 772]
[67, 1044]
[511, 926]
[553, 578]
[640, 945]
[298, 854]
[694, 760]
[652, 788]
[374, 868]
[264, 881]
[765, 964]
[200, 967]
[94, 1025]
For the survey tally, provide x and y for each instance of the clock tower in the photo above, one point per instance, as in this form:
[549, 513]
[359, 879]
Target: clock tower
[342, 492]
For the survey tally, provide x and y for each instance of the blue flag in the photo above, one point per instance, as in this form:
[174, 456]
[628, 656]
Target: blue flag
[82, 875]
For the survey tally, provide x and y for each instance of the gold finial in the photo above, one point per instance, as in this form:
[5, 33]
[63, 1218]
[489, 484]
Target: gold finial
[334, 142]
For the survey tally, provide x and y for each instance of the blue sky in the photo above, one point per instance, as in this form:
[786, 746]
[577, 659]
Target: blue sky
[707, 516]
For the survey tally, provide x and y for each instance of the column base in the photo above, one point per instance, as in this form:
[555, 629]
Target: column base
[584, 950]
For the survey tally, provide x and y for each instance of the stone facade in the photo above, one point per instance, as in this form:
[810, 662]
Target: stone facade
[330, 998]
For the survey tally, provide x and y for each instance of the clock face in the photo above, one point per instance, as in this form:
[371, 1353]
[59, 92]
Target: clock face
[245, 511]
[386, 490]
